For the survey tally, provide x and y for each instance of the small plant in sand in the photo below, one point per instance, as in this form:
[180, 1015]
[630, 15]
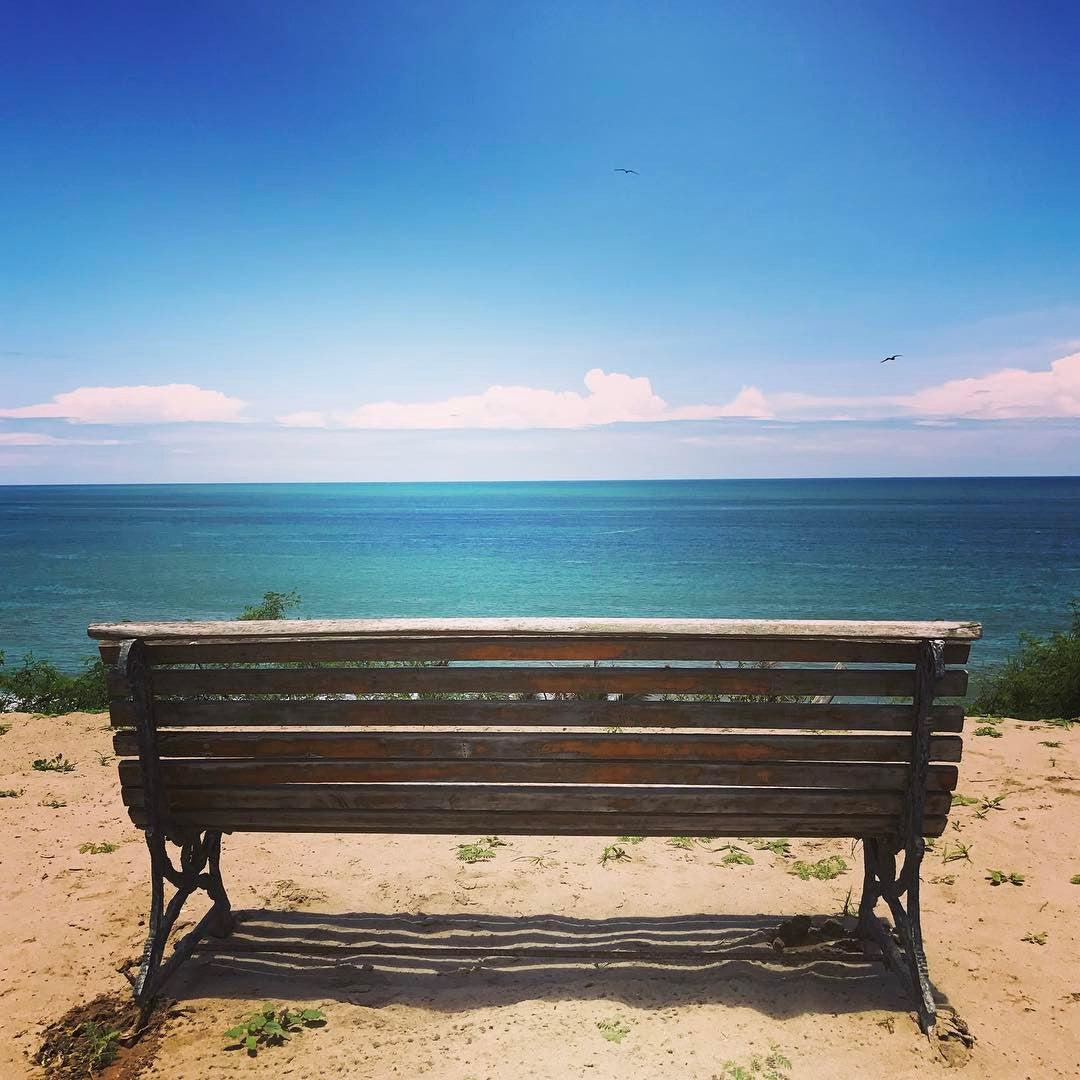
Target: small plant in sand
[613, 853]
[988, 730]
[771, 1066]
[687, 843]
[613, 1029]
[4, 729]
[1033, 938]
[963, 800]
[823, 870]
[103, 758]
[631, 839]
[538, 862]
[271, 1026]
[473, 853]
[1000, 877]
[482, 851]
[955, 854]
[1050, 744]
[106, 847]
[736, 857]
[1061, 722]
[10, 793]
[778, 846]
[53, 803]
[943, 879]
[989, 804]
[1075, 879]
[54, 764]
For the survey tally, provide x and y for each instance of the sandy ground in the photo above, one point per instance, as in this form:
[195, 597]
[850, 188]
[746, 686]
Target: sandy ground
[70, 920]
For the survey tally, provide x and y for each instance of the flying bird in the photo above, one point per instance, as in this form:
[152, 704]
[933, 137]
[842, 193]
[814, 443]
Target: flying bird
[893, 357]
[633, 171]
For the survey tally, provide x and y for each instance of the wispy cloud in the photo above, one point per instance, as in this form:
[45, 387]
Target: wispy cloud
[612, 397]
[1006, 394]
[171, 403]
[37, 438]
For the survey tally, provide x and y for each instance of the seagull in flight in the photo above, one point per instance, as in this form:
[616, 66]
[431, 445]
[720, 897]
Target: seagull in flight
[630, 171]
[893, 357]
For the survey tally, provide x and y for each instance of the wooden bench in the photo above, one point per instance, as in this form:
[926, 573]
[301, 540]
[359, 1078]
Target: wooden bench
[585, 727]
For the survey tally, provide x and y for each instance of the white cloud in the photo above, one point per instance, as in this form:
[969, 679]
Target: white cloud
[172, 403]
[36, 438]
[1008, 394]
[612, 398]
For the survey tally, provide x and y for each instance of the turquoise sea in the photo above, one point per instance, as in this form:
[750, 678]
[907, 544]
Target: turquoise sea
[1003, 551]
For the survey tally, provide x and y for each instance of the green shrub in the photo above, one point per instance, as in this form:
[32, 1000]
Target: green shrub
[40, 687]
[1041, 679]
[273, 606]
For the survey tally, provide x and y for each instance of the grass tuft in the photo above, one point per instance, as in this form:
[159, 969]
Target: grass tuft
[613, 853]
[955, 854]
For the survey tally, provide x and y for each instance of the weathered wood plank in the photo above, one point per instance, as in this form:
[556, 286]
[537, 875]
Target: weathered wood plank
[508, 746]
[872, 630]
[603, 714]
[532, 824]
[879, 682]
[461, 798]
[707, 648]
[214, 773]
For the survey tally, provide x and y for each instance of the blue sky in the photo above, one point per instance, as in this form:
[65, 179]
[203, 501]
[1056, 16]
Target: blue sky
[360, 218]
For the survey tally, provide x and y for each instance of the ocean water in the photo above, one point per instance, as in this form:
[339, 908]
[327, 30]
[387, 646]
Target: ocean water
[1003, 551]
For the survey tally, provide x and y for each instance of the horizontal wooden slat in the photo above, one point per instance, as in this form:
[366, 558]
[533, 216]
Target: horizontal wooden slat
[345, 713]
[508, 746]
[879, 630]
[214, 773]
[608, 799]
[688, 647]
[881, 682]
[533, 824]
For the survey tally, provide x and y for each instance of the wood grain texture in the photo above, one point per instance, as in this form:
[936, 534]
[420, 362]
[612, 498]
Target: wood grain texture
[510, 746]
[438, 648]
[873, 630]
[562, 798]
[853, 682]
[601, 714]
[511, 823]
[215, 773]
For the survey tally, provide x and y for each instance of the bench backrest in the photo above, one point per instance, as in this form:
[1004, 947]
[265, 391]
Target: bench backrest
[538, 726]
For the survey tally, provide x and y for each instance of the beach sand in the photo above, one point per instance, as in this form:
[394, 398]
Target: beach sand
[71, 920]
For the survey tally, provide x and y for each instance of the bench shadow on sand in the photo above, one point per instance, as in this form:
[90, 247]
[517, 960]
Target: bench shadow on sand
[455, 962]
